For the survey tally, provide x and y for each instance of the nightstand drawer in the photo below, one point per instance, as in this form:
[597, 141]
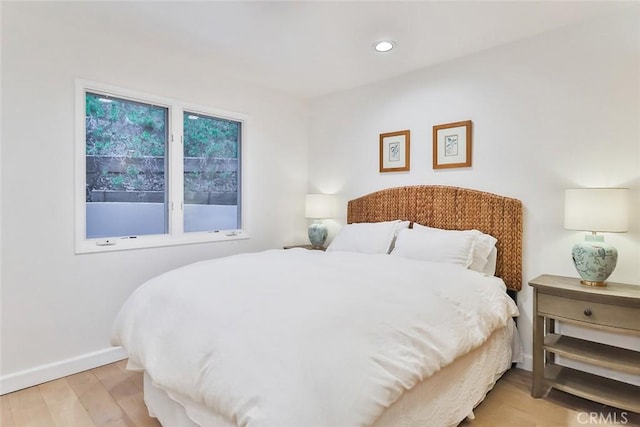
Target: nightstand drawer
[590, 312]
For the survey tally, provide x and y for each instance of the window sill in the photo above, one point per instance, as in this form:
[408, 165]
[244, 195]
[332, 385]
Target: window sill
[142, 242]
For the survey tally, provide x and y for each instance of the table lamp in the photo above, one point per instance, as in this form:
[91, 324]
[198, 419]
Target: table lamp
[318, 207]
[596, 209]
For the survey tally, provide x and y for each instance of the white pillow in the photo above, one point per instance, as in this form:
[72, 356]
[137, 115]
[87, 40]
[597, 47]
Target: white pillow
[402, 225]
[367, 237]
[490, 268]
[485, 243]
[432, 244]
[482, 246]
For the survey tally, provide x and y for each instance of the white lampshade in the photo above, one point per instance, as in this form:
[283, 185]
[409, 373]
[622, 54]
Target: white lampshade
[597, 209]
[319, 206]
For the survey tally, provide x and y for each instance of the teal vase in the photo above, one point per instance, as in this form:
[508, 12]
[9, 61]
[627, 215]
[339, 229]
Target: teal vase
[594, 259]
[318, 233]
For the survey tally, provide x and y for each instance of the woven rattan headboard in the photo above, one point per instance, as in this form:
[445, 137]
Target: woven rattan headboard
[452, 208]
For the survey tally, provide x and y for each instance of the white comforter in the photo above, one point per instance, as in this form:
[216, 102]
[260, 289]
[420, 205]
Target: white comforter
[306, 338]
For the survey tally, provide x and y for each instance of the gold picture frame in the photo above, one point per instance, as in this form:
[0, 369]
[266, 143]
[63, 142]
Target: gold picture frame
[395, 149]
[452, 145]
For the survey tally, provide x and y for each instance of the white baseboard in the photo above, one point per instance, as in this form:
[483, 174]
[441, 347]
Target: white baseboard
[527, 362]
[52, 371]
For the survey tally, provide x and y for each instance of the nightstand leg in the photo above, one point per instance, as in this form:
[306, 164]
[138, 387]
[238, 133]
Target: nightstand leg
[537, 388]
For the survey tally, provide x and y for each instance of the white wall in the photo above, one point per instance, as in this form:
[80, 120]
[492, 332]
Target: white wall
[556, 111]
[57, 305]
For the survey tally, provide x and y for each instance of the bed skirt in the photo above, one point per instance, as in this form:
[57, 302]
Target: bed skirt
[444, 399]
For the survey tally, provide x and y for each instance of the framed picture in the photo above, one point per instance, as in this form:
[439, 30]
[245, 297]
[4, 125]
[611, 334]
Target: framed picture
[452, 145]
[394, 151]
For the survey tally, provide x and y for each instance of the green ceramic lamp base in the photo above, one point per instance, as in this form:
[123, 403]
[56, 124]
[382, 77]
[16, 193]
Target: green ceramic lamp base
[318, 233]
[594, 259]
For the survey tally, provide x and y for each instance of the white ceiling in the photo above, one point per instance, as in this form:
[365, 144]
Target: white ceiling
[313, 48]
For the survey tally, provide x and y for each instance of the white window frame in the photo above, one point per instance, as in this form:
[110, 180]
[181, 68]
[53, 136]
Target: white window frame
[175, 169]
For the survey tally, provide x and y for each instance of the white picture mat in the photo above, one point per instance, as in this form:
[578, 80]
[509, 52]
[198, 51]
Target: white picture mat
[459, 154]
[397, 159]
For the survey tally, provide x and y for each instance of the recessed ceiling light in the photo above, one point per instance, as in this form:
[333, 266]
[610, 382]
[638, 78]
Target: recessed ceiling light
[192, 117]
[383, 46]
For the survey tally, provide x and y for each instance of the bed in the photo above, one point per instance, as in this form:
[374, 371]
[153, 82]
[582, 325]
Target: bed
[343, 338]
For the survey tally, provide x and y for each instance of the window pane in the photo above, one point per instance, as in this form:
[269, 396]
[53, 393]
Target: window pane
[211, 179]
[125, 167]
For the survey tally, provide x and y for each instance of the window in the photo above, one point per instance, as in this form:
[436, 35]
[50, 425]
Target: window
[210, 151]
[126, 142]
[154, 171]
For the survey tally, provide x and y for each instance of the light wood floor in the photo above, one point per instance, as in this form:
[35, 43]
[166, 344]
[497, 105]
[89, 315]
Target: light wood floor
[510, 404]
[105, 396]
[111, 396]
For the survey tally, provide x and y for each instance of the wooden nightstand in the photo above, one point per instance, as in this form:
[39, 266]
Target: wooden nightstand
[311, 248]
[615, 307]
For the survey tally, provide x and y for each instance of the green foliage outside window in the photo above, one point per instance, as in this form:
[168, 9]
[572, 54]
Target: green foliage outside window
[206, 136]
[214, 142]
[126, 143]
[124, 128]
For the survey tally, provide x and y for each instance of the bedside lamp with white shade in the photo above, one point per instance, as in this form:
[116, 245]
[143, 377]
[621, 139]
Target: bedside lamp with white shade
[596, 209]
[318, 207]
